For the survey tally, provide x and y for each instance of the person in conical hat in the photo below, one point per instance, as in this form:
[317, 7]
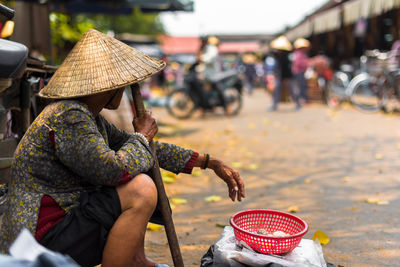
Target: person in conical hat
[281, 48]
[299, 67]
[80, 185]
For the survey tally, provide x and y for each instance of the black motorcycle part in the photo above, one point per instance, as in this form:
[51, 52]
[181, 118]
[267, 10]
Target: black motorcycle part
[7, 12]
[13, 58]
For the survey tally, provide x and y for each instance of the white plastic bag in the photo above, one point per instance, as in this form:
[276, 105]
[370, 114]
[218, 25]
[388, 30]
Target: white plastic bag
[228, 253]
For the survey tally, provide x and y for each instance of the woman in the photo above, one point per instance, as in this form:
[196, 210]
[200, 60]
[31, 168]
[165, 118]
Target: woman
[79, 184]
[300, 65]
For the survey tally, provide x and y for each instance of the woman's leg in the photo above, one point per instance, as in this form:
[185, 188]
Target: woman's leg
[302, 82]
[276, 97]
[125, 242]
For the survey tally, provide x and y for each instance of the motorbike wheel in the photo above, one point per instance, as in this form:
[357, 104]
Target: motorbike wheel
[180, 105]
[233, 100]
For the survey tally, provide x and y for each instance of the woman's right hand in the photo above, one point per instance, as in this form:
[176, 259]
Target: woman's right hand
[146, 125]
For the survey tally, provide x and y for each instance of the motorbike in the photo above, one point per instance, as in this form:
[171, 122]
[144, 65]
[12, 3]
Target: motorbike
[21, 78]
[223, 90]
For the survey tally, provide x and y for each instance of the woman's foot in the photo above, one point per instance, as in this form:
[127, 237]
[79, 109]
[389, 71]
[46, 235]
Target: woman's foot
[143, 261]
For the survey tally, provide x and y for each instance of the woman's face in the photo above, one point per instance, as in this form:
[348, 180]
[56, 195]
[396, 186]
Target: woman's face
[115, 98]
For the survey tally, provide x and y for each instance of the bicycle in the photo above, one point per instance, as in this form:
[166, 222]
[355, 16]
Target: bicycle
[371, 91]
[339, 87]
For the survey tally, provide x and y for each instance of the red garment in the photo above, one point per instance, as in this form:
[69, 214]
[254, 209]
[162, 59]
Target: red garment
[50, 214]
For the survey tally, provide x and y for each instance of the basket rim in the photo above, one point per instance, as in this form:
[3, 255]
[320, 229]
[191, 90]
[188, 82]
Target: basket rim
[294, 217]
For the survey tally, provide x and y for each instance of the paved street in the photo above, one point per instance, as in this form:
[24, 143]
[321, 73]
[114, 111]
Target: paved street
[329, 164]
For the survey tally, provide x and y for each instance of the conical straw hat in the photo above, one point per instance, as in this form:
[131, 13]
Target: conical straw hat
[301, 43]
[99, 63]
[281, 43]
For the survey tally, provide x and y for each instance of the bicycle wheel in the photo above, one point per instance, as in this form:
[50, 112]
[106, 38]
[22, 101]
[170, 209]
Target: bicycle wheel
[336, 90]
[180, 105]
[368, 93]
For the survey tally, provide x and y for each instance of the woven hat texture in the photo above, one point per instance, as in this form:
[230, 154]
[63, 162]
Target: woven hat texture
[99, 63]
[281, 43]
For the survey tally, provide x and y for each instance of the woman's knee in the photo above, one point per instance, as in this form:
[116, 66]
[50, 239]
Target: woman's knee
[140, 192]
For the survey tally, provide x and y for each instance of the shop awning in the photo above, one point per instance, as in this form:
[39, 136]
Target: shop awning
[357, 9]
[327, 21]
[303, 30]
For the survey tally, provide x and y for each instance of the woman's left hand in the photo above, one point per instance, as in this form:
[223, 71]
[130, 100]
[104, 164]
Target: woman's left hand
[230, 176]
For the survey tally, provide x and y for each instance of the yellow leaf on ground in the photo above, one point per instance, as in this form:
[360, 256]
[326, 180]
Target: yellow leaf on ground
[372, 200]
[228, 130]
[170, 174]
[178, 201]
[307, 181]
[321, 236]
[378, 156]
[383, 202]
[252, 125]
[293, 209]
[266, 121]
[168, 180]
[377, 201]
[212, 198]
[346, 179]
[252, 167]
[248, 155]
[237, 165]
[398, 146]
[196, 173]
[153, 227]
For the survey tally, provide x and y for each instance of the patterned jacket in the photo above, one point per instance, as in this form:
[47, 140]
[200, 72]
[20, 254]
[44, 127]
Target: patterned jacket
[88, 152]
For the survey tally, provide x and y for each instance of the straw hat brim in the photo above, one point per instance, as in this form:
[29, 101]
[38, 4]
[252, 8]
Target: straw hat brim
[99, 63]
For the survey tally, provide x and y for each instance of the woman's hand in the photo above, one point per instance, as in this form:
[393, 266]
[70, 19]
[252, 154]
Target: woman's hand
[146, 125]
[230, 176]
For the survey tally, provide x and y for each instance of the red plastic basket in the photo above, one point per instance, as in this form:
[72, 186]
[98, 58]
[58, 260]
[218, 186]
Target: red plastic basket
[246, 223]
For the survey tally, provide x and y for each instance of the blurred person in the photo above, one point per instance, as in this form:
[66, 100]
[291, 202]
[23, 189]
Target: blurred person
[212, 67]
[79, 184]
[394, 55]
[321, 65]
[210, 57]
[249, 70]
[299, 67]
[283, 74]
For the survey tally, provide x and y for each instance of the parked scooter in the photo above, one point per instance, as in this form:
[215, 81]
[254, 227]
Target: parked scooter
[21, 78]
[224, 90]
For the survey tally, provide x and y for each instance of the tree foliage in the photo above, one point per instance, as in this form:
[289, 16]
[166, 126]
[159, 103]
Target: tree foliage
[66, 28]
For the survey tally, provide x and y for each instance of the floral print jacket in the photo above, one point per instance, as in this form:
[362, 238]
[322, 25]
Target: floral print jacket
[87, 152]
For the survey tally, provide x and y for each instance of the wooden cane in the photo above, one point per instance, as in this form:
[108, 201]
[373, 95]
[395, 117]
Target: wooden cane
[162, 196]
